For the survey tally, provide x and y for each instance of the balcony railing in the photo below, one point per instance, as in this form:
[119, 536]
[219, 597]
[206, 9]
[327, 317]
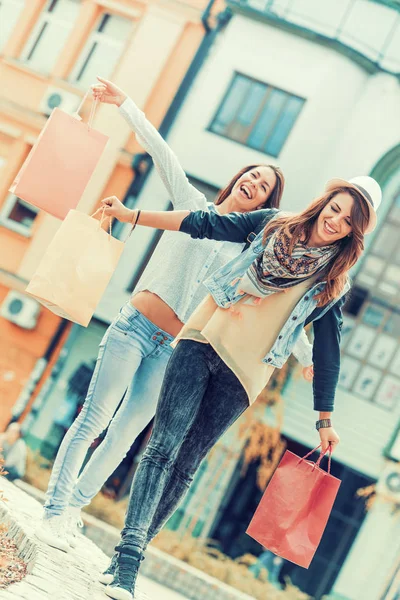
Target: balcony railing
[368, 29]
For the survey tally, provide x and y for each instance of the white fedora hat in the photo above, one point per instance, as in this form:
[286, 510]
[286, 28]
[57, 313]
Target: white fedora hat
[368, 188]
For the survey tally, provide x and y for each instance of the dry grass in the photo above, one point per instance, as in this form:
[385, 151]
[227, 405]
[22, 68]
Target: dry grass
[235, 573]
[108, 510]
[38, 471]
[12, 568]
[2, 473]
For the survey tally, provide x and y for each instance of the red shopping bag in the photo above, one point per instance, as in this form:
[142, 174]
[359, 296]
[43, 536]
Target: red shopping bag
[61, 163]
[295, 508]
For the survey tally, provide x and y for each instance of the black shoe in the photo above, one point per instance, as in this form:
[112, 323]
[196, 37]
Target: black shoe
[107, 576]
[125, 574]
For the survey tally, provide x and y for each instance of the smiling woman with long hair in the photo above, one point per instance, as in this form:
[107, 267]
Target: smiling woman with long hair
[295, 272]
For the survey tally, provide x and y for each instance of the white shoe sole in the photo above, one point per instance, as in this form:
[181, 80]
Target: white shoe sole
[52, 541]
[118, 593]
[106, 578]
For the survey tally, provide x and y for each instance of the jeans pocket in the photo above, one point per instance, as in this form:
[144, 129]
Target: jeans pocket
[125, 324]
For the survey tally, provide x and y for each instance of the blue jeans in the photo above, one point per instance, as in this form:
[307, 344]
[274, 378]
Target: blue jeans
[133, 356]
[200, 398]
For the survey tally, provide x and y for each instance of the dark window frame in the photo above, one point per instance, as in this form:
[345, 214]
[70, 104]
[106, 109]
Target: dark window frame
[269, 89]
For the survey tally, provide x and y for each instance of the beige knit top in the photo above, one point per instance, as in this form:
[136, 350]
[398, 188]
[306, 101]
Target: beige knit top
[244, 334]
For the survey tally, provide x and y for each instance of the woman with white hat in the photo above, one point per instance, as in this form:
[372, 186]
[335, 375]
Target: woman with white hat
[295, 272]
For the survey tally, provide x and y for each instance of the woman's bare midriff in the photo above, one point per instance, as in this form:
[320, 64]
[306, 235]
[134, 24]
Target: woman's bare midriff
[157, 311]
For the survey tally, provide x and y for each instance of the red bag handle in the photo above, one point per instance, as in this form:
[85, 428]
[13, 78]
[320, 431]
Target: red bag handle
[321, 456]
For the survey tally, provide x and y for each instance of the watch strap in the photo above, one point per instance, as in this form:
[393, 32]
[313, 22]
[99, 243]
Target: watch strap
[323, 423]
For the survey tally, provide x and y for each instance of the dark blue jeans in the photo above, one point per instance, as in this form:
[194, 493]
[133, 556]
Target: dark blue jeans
[200, 398]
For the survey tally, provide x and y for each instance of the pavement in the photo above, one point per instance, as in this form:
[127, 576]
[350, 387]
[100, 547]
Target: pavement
[53, 574]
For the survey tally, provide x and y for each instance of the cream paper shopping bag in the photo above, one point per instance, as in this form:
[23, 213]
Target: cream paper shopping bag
[76, 268]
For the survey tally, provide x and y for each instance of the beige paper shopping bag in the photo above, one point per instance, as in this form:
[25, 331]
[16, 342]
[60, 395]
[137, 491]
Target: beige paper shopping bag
[76, 268]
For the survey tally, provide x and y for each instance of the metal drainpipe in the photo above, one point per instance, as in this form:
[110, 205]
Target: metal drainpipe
[143, 159]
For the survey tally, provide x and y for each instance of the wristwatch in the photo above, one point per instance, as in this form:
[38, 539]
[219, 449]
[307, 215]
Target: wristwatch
[323, 423]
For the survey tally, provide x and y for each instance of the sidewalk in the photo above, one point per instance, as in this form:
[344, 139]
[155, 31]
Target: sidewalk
[53, 574]
[162, 577]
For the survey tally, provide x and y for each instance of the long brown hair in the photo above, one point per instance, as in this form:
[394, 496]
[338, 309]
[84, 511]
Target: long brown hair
[300, 226]
[273, 200]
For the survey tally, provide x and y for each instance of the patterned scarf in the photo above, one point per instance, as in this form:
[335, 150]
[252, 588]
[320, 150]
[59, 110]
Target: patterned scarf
[276, 269]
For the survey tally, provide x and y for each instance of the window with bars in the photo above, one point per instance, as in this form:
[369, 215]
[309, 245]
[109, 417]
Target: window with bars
[50, 34]
[371, 333]
[103, 49]
[10, 11]
[256, 114]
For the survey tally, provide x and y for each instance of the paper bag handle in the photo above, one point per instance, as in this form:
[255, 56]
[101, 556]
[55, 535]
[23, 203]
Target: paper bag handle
[321, 456]
[102, 219]
[92, 109]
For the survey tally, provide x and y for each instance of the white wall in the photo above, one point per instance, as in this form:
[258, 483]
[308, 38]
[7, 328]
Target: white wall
[283, 60]
[364, 428]
[349, 120]
[364, 575]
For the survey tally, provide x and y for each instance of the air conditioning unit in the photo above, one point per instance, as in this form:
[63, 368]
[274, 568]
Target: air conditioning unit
[58, 98]
[388, 485]
[20, 310]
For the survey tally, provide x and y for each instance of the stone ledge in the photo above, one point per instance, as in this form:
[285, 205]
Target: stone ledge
[158, 566]
[53, 575]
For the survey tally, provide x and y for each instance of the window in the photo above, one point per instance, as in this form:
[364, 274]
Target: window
[103, 50]
[371, 333]
[50, 34]
[18, 215]
[10, 11]
[380, 270]
[257, 115]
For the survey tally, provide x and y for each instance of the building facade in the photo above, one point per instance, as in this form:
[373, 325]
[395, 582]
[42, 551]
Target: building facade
[50, 53]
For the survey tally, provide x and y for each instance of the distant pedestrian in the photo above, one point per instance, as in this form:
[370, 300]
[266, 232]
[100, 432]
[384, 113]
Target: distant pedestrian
[13, 451]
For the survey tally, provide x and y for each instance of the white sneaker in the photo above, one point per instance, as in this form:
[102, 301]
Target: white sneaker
[73, 524]
[52, 532]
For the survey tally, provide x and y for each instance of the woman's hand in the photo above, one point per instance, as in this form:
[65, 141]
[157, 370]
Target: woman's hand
[328, 437]
[308, 373]
[108, 92]
[115, 208]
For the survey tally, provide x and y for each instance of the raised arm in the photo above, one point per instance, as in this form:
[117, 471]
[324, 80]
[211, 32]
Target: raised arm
[182, 193]
[234, 227]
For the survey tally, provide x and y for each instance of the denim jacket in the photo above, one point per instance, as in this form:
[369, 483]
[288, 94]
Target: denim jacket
[222, 285]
